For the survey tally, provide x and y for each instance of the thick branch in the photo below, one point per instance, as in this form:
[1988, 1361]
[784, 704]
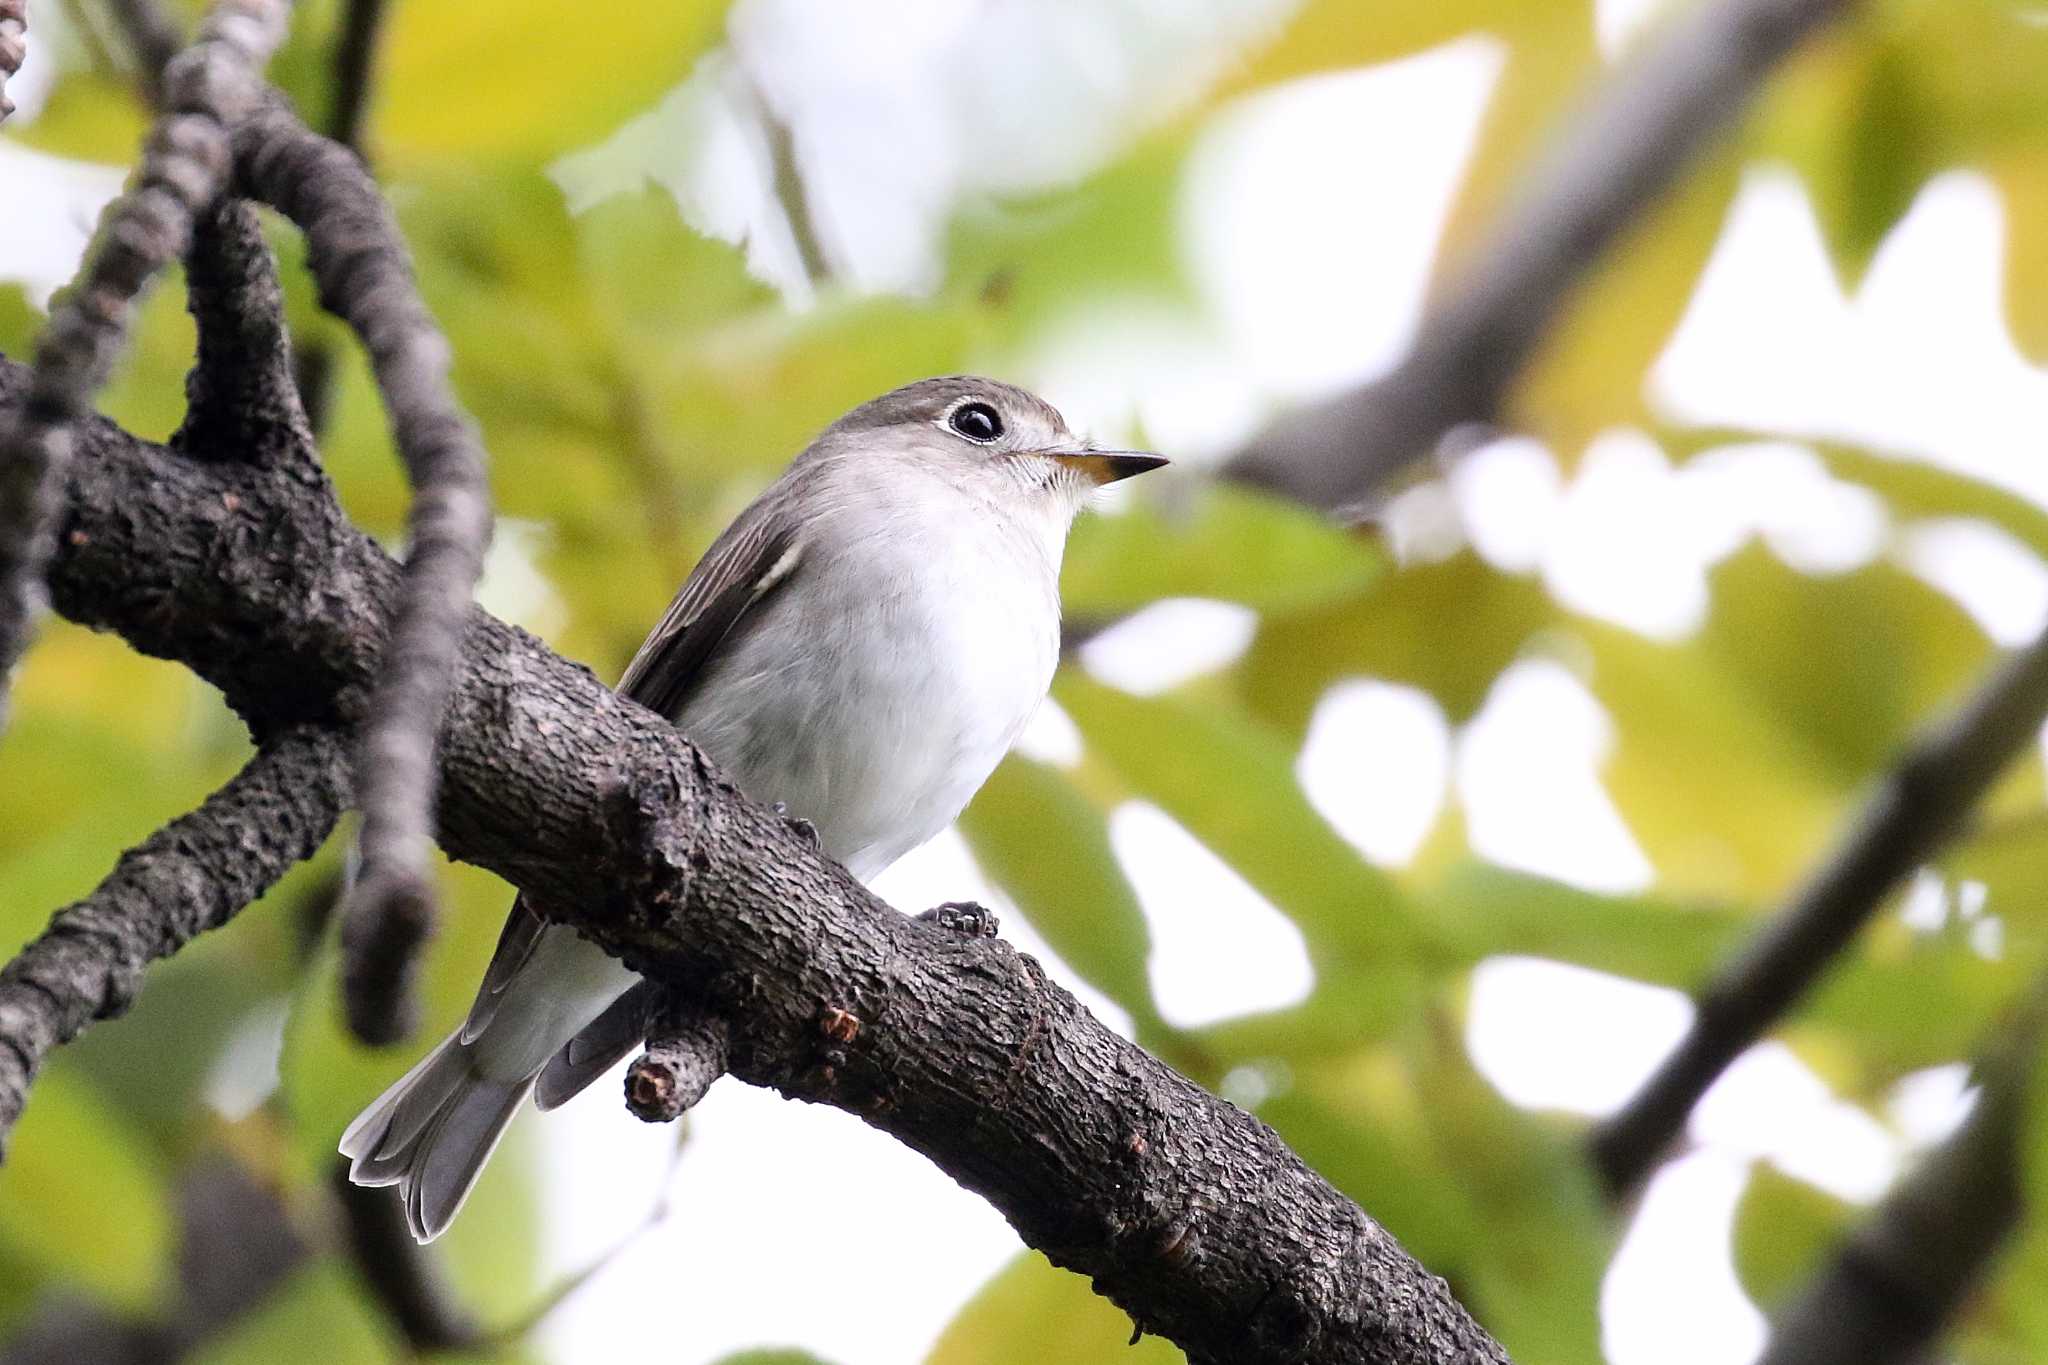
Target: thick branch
[194, 874]
[365, 276]
[183, 168]
[1185, 1210]
[1653, 120]
[1919, 806]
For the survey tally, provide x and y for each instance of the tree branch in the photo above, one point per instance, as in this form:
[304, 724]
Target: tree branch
[1896, 1282]
[1655, 117]
[1918, 807]
[194, 874]
[402, 1276]
[241, 400]
[13, 47]
[183, 169]
[687, 1049]
[1186, 1211]
[365, 276]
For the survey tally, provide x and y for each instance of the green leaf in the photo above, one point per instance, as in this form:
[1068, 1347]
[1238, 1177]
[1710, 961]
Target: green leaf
[1448, 628]
[1645, 938]
[1230, 782]
[1784, 1228]
[1850, 663]
[1048, 848]
[79, 1198]
[90, 116]
[1231, 545]
[1728, 803]
[1034, 1312]
[479, 81]
[320, 1304]
[771, 1355]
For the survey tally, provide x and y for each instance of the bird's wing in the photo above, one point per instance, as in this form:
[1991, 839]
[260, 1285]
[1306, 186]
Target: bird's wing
[756, 555]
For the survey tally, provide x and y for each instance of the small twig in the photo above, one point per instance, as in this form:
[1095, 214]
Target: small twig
[365, 276]
[152, 41]
[1919, 806]
[789, 192]
[355, 56]
[686, 1052]
[403, 1276]
[241, 402]
[1653, 120]
[183, 169]
[13, 47]
[522, 1327]
[1898, 1279]
[194, 874]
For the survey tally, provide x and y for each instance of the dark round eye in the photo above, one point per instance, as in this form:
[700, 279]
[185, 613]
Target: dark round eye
[977, 422]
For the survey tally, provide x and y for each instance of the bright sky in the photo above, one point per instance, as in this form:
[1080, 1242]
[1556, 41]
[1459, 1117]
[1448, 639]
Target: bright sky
[1317, 281]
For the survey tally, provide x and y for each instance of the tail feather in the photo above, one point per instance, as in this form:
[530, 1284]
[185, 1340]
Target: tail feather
[431, 1133]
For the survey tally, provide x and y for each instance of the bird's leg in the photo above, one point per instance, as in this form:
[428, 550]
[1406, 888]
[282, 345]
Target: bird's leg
[805, 830]
[961, 917]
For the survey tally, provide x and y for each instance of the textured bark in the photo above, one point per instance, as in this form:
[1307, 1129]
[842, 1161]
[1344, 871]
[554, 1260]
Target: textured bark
[194, 874]
[184, 166]
[1188, 1212]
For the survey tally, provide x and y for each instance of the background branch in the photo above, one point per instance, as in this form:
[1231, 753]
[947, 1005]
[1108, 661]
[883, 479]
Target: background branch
[1918, 807]
[1896, 1282]
[365, 276]
[194, 874]
[1661, 110]
[353, 76]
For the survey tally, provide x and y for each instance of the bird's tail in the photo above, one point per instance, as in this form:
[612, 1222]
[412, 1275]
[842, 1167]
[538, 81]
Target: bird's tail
[431, 1133]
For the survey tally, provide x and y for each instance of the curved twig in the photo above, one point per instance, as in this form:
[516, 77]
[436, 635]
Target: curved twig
[365, 276]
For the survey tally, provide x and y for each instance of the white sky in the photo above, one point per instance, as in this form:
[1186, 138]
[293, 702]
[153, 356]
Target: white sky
[1316, 282]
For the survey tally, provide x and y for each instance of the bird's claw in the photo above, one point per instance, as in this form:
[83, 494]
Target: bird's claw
[965, 918]
[804, 829]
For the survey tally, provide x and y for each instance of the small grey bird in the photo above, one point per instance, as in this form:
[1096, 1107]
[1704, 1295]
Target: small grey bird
[862, 645]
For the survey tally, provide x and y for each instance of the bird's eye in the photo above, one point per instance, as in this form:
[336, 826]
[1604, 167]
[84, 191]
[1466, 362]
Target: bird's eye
[977, 422]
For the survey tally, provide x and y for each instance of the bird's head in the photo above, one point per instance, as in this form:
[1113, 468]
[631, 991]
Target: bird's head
[990, 436]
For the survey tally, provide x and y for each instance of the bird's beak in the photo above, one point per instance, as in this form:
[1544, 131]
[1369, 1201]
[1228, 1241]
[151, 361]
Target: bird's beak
[1107, 466]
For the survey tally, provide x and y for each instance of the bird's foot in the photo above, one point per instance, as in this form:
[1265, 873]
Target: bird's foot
[965, 918]
[805, 830]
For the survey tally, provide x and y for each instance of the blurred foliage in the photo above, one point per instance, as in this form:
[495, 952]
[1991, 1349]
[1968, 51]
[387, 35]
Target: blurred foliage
[636, 385]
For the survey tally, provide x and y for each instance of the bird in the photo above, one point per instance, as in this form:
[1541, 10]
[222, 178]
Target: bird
[860, 648]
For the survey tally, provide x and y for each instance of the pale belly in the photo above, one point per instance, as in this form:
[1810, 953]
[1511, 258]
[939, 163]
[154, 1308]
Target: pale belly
[879, 718]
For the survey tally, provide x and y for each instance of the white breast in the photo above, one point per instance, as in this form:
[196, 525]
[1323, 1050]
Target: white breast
[880, 689]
